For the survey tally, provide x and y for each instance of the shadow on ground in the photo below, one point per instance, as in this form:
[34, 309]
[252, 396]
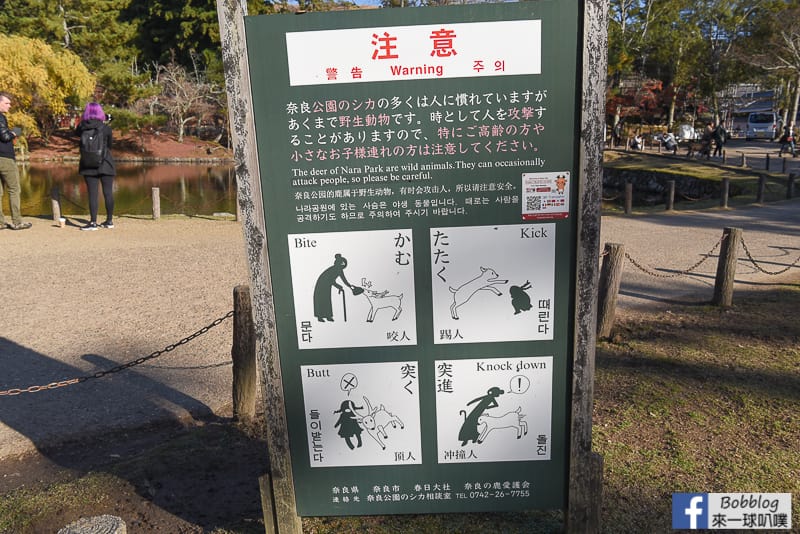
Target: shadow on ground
[189, 473]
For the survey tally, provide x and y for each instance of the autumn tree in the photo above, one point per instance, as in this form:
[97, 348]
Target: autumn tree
[92, 29]
[45, 81]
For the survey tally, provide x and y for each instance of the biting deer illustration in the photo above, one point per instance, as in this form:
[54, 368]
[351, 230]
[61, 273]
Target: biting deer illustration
[379, 300]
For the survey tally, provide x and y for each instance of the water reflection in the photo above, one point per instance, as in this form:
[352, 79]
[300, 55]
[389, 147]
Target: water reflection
[189, 189]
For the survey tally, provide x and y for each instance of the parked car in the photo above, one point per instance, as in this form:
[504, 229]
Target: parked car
[763, 125]
[686, 132]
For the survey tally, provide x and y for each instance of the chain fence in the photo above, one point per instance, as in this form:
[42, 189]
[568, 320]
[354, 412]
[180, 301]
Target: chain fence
[684, 272]
[706, 256]
[761, 269]
[121, 367]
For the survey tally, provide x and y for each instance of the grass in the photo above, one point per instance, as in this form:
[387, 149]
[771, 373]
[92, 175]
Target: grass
[690, 399]
[744, 181]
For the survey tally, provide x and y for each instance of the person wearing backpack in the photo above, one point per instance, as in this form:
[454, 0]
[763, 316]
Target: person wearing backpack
[96, 164]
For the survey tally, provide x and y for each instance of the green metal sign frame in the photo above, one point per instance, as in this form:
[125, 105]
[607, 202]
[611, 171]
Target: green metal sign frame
[418, 174]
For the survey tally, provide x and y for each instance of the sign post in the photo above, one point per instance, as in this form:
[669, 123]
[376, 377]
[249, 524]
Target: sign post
[425, 253]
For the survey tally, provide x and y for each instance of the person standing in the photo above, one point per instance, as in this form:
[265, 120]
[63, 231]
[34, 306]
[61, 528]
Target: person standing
[97, 169]
[787, 140]
[9, 174]
[720, 135]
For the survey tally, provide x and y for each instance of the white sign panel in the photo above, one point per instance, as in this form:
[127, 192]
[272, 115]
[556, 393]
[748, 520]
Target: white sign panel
[502, 48]
[362, 414]
[494, 409]
[493, 283]
[353, 289]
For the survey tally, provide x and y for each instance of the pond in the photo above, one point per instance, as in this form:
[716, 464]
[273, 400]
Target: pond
[190, 189]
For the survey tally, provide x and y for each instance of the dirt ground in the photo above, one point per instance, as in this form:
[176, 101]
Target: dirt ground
[71, 296]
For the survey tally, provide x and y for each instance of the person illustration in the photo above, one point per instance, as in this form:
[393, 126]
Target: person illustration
[100, 172]
[323, 306]
[9, 174]
[348, 423]
[469, 427]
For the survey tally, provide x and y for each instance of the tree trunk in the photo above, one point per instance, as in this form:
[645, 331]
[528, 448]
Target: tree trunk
[672, 103]
[796, 100]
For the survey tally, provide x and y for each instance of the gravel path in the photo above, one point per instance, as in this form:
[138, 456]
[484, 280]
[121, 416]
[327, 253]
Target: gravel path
[74, 303]
[669, 243]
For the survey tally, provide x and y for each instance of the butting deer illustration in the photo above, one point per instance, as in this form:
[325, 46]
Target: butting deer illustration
[376, 421]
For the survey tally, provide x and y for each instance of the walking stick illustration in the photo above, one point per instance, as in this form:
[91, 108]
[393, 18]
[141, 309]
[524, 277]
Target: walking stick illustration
[356, 291]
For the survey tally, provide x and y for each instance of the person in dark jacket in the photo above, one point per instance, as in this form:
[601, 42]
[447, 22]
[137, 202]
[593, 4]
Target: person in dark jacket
[94, 118]
[9, 174]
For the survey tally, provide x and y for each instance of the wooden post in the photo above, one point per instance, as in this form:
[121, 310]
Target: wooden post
[156, 194]
[585, 466]
[670, 195]
[790, 185]
[235, 62]
[725, 190]
[610, 278]
[55, 203]
[724, 157]
[767, 161]
[268, 504]
[726, 267]
[243, 354]
[762, 185]
[783, 166]
[628, 198]
[744, 160]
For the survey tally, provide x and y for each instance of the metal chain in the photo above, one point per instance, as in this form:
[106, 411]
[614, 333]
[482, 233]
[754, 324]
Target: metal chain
[759, 268]
[121, 367]
[681, 273]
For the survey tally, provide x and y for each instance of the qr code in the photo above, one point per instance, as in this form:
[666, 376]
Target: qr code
[533, 203]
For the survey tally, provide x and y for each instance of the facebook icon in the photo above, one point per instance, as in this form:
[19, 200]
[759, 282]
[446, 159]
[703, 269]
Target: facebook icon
[689, 510]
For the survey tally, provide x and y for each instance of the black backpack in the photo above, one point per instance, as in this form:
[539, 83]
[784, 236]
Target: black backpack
[93, 148]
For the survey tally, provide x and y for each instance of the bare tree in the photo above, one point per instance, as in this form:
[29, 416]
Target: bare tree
[186, 95]
[780, 51]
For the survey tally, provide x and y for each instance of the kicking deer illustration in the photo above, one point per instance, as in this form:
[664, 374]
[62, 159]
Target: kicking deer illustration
[483, 282]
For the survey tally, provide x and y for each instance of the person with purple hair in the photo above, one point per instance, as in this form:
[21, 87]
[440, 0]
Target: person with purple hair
[93, 121]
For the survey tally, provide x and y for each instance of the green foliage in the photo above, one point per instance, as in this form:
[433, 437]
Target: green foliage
[44, 80]
[126, 121]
